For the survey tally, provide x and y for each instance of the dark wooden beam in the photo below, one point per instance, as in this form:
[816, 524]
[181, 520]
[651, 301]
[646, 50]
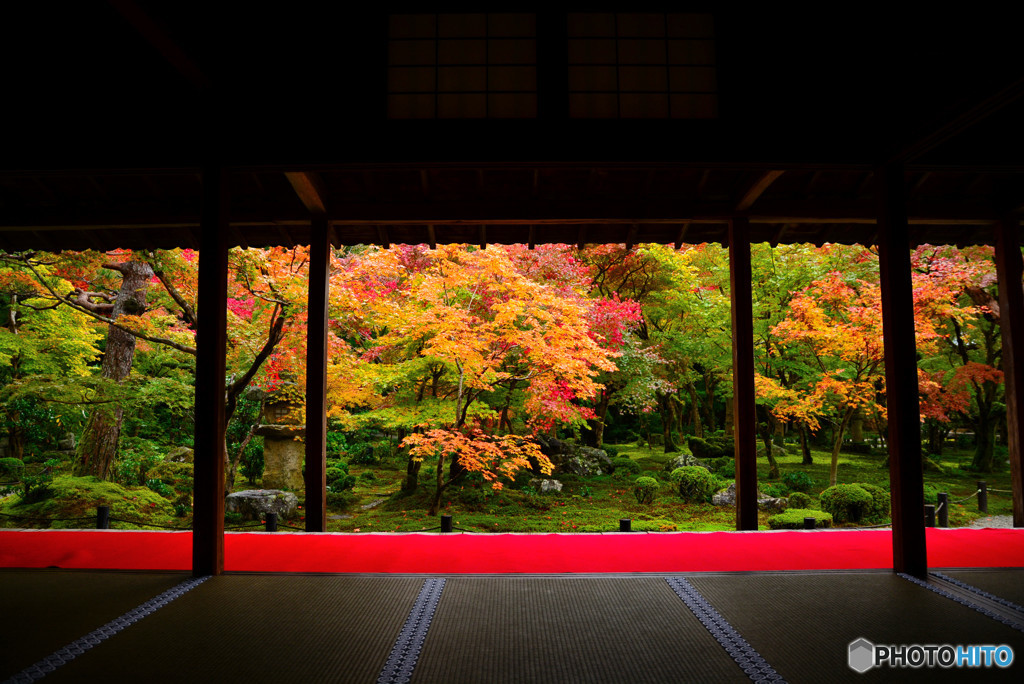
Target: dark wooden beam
[316, 375]
[756, 189]
[158, 38]
[309, 188]
[744, 414]
[431, 237]
[959, 123]
[483, 237]
[905, 474]
[532, 239]
[1010, 274]
[631, 237]
[211, 343]
[681, 236]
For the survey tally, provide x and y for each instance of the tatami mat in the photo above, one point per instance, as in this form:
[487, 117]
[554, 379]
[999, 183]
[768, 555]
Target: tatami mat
[518, 629]
[803, 623]
[1006, 584]
[258, 628]
[45, 610]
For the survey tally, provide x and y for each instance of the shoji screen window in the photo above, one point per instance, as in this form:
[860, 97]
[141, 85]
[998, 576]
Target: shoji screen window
[642, 66]
[462, 66]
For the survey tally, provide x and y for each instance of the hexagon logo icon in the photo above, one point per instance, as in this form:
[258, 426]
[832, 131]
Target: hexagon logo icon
[862, 655]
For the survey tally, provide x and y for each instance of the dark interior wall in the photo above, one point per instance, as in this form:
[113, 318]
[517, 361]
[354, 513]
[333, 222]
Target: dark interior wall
[296, 84]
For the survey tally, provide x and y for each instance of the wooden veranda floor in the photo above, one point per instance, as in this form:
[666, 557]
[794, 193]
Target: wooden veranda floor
[700, 627]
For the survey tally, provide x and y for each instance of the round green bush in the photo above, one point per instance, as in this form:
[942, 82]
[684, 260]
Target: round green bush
[878, 510]
[798, 481]
[339, 480]
[793, 519]
[846, 502]
[11, 467]
[625, 467]
[645, 489]
[727, 469]
[695, 484]
[799, 500]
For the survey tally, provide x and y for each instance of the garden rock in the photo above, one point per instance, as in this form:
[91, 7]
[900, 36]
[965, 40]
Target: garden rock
[685, 460]
[727, 497]
[181, 455]
[545, 486]
[777, 451]
[254, 504]
[570, 458]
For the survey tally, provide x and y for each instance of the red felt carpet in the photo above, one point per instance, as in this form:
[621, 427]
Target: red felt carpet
[515, 553]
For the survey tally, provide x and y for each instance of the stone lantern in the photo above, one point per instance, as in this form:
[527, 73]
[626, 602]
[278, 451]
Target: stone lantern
[283, 445]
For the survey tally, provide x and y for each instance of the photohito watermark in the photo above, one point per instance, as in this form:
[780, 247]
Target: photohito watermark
[864, 655]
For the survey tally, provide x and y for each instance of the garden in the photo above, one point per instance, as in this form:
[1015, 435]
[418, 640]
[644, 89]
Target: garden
[553, 389]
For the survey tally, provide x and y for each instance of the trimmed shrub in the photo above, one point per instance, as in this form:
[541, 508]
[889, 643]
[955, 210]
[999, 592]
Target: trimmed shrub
[727, 469]
[612, 451]
[623, 467]
[846, 502]
[11, 467]
[695, 484]
[798, 481]
[793, 519]
[799, 500]
[339, 480]
[645, 489]
[878, 510]
[857, 448]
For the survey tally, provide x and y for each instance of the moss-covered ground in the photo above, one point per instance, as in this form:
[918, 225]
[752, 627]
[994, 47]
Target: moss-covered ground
[594, 504]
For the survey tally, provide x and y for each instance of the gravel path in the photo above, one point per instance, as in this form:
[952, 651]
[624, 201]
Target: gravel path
[993, 521]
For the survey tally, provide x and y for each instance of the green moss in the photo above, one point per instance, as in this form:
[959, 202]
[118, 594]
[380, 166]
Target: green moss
[793, 519]
[799, 500]
[645, 489]
[624, 467]
[78, 497]
[695, 484]
[846, 502]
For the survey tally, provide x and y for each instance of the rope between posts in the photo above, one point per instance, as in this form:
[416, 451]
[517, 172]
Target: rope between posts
[969, 496]
[146, 524]
[1001, 491]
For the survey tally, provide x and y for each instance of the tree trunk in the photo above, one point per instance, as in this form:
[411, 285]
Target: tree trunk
[412, 476]
[984, 436]
[936, 437]
[805, 446]
[837, 444]
[600, 413]
[857, 426]
[698, 427]
[435, 506]
[668, 419]
[98, 446]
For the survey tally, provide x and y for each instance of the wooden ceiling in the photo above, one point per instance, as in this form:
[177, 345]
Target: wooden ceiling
[114, 109]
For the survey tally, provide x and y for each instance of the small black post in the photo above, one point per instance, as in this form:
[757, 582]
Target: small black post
[942, 509]
[929, 515]
[809, 523]
[982, 496]
[446, 523]
[625, 524]
[271, 522]
[103, 517]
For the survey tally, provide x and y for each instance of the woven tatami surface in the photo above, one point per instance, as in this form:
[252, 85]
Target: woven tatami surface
[44, 610]
[488, 629]
[1007, 584]
[517, 629]
[258, 628]
[803, 623]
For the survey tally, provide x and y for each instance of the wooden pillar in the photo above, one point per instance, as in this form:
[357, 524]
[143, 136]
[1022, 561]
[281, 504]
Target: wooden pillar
[316, 376]
[905, 474]
[211, 341]
[1010, 272]
[744, 412]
